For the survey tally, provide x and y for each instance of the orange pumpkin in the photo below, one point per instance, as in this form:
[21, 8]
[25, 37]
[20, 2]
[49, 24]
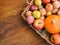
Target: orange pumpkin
[52, 24]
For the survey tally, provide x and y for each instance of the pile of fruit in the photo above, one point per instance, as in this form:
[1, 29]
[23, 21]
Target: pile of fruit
[45, 14]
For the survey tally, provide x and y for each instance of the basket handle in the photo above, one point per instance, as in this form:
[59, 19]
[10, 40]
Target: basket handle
[29, 1]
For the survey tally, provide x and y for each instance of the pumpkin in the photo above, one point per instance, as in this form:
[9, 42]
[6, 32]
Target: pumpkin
[52, 24]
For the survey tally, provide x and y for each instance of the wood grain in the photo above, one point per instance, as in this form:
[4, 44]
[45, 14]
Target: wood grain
[13, 29]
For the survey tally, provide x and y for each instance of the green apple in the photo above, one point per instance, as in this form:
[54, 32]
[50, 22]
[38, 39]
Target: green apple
[36, 14]
[40, 7]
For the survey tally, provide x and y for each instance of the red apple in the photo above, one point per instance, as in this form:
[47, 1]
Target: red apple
[33, 7]
[30, 19]
[58, 13]
[56, 4]
[55, 38]
[53, 0]
[54, 10]
[38, 24]
[45, 1]
[43, 11]
[49, 7]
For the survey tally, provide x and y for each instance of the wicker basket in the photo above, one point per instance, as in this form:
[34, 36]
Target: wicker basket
[43, 33]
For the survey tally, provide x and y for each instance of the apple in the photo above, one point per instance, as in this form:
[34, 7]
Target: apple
[38, 24]
[36, 14]
[45, 1]
[53, 0]
[49, 7]
[28, 13]
[30, 19]
[56, 4]
[40, 7]
[48, 13]
[58, 13]
[33, 7]
[42, 17]
[54, 10]
[38, 2]
[55, 38]
[42, 11]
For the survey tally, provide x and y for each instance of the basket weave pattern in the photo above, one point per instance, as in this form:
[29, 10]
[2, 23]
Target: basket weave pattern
[45, 35]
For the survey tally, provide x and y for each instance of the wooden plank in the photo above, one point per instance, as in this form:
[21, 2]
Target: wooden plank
[13, 29]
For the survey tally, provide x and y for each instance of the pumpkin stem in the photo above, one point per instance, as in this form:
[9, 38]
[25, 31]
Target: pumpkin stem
[53, 21]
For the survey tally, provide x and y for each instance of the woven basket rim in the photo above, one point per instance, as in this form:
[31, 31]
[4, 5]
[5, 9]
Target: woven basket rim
[22, 14]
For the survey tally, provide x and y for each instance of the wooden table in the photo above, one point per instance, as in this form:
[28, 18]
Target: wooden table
[13, 29]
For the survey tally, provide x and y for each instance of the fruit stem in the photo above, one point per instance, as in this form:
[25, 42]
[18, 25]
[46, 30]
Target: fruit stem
[53, 21]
